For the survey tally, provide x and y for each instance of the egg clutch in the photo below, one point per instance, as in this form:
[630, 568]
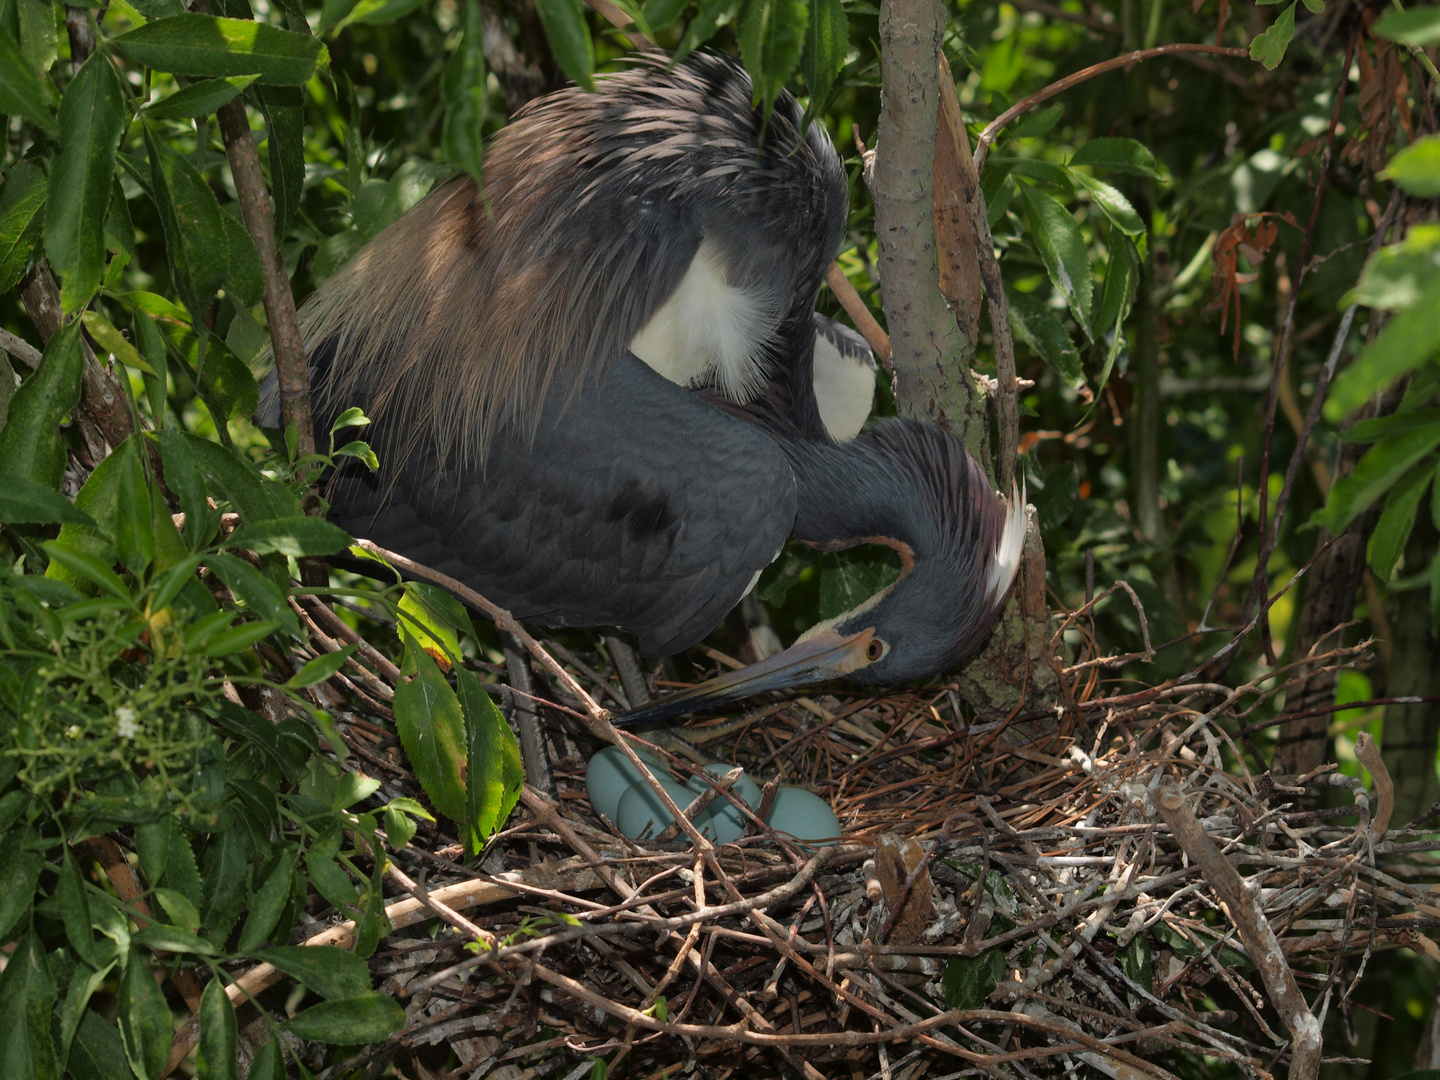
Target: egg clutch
[620, 794]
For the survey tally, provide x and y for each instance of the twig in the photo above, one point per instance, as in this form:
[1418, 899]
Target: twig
[441, 909]
[21, 349]
[1059, 86]
[1255, 931]
[285, 337]
[1368, 754]
[1282, 352]
[865, 322]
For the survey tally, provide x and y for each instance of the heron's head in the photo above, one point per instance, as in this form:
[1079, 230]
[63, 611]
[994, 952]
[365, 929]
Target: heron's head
[911, 487]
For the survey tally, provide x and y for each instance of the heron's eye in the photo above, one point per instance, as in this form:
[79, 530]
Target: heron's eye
[875, 650]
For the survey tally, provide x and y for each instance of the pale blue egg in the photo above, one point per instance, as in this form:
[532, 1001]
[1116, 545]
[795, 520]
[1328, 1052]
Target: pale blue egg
[803, 815]
[722, 820]
[642, 816]
[610, 773]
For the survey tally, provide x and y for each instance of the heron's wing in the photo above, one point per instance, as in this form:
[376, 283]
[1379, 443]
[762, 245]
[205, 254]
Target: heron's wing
[638, 506]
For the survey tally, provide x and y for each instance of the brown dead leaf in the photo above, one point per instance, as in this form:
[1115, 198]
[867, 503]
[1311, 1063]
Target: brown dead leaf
[1383, 86]
[1251, 236]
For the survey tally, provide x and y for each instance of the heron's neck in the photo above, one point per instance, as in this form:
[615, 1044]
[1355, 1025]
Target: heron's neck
[849, 495]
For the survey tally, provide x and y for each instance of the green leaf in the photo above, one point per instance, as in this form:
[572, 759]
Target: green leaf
[349, 1021]
[145, 1026]
[114, 342]
[1376, 473]
[1136, 962]
[399, 829]
[216, 1059]
[19, 874]
[1116, 155]
[1418, 26]
[662, 13]
[463, 90]
[200, 98]
[245, 277]
[27, 1002]
[183, 479]
[252, 495]
[353, 788]
[569, 37]
[259, 593]
[178, 907]
[1036, 324]
[494, 775]
[827, 40]
[134, 525]
[432, 730]
[1417, 168]
[1269, 47]
[849, 578]
[22, 202]
[23, 501]
[1387, 542]
[1396, 276]
[75, 909]
[194, 227]
[92, 119]
[1038, 123]
[1118, 292]
[771, 35]
[172, 939]
[374, 12]
[284, 109]
[97, 1052]
[1408, 340]
[1112, 204]
[30, 444]
[192, 44]
[328, 876]
[435, 618]
[710, 16]
[268, 1062]
[1062, 246]
[297, 536]
[330, 972]
[1380, 427]
[969, 981]
[231, 641]
[268, 904]
[1057, 500]
[321, 668]
[86, 566]
[22, 93]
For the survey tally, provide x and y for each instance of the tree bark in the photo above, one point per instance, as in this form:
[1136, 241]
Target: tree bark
[934, 342]
[1408, 743]
[932, 375]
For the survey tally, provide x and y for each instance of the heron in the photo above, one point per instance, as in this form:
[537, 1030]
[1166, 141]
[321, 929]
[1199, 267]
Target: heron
[601, 395]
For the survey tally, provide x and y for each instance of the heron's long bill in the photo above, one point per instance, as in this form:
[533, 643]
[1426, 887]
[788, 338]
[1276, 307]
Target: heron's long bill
[824, 656]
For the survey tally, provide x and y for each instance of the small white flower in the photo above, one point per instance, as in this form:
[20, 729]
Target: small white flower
[125, 717]
[73, 731]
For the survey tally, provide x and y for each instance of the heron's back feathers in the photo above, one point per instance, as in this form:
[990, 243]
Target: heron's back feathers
[464, 314]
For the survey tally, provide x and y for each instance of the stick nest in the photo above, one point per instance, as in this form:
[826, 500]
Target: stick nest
[1018, 898]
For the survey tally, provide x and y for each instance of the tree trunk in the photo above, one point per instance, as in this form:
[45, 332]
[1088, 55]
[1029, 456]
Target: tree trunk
[934, 342]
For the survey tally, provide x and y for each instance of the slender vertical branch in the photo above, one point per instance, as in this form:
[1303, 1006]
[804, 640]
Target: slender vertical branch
[259, 219]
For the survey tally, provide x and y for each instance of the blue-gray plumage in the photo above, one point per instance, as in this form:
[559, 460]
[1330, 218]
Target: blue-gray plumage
[600, 394]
